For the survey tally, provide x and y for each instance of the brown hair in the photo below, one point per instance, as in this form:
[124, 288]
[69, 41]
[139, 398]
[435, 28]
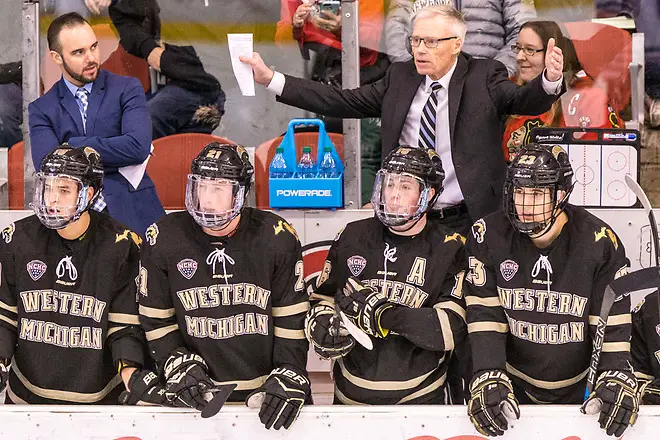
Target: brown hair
[72, 19]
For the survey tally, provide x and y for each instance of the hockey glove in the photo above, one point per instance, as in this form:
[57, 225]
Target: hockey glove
[649, 392]
[364, 306]
[187, 379]
[492, 402]
[281, 397]
[324, 330]
[616, 397]
[4, 373]
[144, 388]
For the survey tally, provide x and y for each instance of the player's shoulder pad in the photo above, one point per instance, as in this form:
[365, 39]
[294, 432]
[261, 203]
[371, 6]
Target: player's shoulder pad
[275, 226]
[174, 224]
[605, 234]
[29, 228]
[117, 233]
[361, 229]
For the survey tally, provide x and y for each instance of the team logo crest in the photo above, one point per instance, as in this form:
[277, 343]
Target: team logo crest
[508, 269]
[356, 264]
[152, 234]
[639, 305]
[657, 329]
[187, 267]
[607, 233]
[8, 233]
[36, 268]
[479, 230]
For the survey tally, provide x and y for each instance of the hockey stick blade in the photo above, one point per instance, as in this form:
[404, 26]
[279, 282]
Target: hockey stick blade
[618, 289]
[220, 396]
[360, 336]
[641, 195]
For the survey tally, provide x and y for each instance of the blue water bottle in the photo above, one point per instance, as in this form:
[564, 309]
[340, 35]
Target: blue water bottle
[306, 166]
[278, 165]
[328, 168]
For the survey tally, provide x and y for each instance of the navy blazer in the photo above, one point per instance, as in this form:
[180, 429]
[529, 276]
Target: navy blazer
[118, 127]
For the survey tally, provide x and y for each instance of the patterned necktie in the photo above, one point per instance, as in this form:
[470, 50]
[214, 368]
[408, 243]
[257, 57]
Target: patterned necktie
[427, 121]
[82, 94]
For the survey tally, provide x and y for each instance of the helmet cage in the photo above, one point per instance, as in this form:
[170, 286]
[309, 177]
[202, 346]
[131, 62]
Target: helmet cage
[389, 191]
[55, 216]
[197, 190]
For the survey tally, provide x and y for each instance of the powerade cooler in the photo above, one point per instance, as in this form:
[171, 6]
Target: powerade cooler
[317, 192]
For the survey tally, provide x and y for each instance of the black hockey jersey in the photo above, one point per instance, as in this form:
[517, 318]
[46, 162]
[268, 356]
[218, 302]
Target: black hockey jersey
[645, 342]
[423, 275]
[534, 311]
[68, 311]
[237, 301]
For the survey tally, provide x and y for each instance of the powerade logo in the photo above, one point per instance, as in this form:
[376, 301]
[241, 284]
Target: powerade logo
[304, 192]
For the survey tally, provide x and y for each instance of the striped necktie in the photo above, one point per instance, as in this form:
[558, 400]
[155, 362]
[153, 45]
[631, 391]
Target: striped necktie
[427, 121]
[82, 94]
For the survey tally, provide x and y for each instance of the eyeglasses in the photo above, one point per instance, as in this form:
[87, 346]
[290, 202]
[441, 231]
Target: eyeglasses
[529, 51]
[431, 43]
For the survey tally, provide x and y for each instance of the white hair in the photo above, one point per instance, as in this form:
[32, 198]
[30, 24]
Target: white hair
[443, 11]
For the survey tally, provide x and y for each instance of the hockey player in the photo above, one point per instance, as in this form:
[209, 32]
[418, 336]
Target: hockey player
[645, 348]
[222, 294]
[537, 275]
[402, 284]
[68, 310]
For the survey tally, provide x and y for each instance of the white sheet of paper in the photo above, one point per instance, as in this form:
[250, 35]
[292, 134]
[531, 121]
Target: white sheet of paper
[242, 45]
[134, 173]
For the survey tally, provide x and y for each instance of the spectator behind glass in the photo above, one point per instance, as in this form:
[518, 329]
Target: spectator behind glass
[583, 105]
[190, 100]
[492, 26]
[320, 31]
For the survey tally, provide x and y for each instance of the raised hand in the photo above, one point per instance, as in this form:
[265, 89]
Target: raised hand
[554, 61]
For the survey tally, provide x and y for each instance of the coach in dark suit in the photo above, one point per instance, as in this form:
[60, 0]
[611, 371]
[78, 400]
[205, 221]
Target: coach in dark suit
[95, 108]
[468, 98]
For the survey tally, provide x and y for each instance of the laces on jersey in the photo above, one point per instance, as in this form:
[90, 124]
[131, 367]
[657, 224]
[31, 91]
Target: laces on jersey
[66, 265]
[543, 263]
[388, 255]
[219, 255]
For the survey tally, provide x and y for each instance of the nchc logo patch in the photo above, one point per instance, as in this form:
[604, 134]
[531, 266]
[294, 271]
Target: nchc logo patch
[508, 269]
[187, 267]
[36, 268]
[356, 264]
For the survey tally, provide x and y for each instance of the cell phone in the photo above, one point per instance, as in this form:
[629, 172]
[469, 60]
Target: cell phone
[330, 6]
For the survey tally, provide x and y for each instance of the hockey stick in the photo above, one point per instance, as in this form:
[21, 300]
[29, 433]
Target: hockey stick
[220, 395]
[639, 192]
[618, 289]
[361, 337]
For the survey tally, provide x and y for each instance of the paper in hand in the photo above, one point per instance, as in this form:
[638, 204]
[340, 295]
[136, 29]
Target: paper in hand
[241, 45]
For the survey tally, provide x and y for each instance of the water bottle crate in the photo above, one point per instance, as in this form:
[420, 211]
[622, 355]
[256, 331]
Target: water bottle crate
[317, 192]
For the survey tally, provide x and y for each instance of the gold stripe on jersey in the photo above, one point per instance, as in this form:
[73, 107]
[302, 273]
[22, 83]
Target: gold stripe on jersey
[112, 330]
[14, 398]
[242, 385]
[286, 333]
[612, 347]
[69, 396]
[643, 376]
[9, 308]
[10, 321]
[385, 385]
[151, 312]
[471, 300]
[290, 310]
[345, 400]
[158, 333]
[487, 326]
[613, 320]
[445, 328]
[426, 390]
[546, 384]
[450, 305]
[535, 400]
[124, 318]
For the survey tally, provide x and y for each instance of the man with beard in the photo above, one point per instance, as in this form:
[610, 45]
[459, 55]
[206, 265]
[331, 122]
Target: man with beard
[93, 107]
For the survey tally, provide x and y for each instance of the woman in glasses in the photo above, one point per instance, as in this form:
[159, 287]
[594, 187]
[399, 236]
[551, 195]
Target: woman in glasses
[583, 105]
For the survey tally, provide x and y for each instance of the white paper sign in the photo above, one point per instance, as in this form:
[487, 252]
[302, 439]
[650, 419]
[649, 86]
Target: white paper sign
[242, 45]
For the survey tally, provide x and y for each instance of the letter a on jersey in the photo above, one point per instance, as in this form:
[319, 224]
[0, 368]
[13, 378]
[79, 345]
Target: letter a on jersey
[417, 272]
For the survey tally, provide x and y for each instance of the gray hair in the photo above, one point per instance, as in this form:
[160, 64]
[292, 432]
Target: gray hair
[443, 11]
